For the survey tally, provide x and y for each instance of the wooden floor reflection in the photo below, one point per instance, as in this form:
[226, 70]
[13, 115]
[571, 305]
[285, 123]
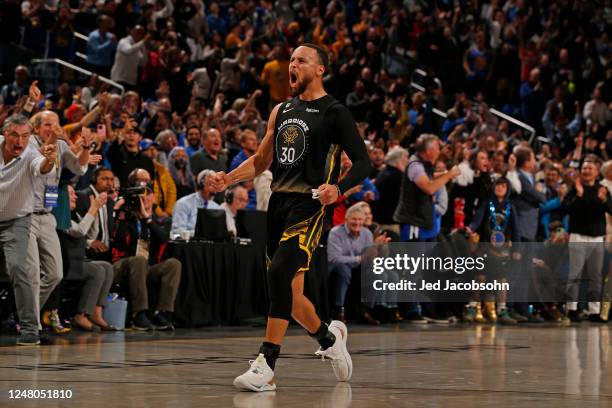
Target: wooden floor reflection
[393, 366]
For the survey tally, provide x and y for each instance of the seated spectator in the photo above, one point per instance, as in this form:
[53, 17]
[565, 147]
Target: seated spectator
[136, 244]
[180, 169]
[100, 234]
[236, 198]
[345, 245]
[186, 209]
[97, 275]
[163, 184]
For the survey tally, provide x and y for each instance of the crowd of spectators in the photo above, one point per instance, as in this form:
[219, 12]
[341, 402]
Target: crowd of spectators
[199, 79]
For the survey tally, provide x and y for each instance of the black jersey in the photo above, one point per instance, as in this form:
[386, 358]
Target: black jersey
[308, 139]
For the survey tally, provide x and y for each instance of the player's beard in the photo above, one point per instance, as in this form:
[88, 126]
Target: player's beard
[302, 84]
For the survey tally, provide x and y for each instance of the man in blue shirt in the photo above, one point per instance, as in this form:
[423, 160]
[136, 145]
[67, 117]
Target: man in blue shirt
[185, 212]
[345, 246]
[248, 143]
[101, 47]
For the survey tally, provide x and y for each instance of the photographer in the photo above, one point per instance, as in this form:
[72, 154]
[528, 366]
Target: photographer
[137, 244]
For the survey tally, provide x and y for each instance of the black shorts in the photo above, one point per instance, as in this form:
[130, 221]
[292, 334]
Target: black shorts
[295, 215]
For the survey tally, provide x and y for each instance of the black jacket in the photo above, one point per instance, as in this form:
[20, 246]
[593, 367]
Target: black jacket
[83, 203]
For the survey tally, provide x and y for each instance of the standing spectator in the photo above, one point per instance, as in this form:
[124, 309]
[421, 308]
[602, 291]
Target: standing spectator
[60, 39]
[44, 251]
[527, 205]
[415, 208]
[275, 75]
[386, 183]
[377, 157]
[21, 166]
[101, 45]
[126, 156]
[211, 157]
[596, 111]
[129, 56]
[10, 93]
[532, 98]
[180, 169]
[477, 64]
[194, 140]
[166, 140]
[587, 203]
[558, 132]
[201, 84]
[248, 144]
[163, 184]
[358, 101]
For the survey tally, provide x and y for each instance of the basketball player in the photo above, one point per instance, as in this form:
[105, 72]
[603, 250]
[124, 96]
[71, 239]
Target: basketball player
[303, 142]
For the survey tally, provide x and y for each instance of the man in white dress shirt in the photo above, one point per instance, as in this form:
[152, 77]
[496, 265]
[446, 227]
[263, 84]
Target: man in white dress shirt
[20, 166]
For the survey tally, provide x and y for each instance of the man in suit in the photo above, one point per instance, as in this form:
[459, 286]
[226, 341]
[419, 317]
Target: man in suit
[99, 235]
[527, 205]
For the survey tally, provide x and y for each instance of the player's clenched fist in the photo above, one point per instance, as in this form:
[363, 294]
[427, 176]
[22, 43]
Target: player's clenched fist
[219, 181]
[328, 194]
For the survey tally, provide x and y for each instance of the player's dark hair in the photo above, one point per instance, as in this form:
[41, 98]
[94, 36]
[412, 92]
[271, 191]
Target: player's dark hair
[323, 57]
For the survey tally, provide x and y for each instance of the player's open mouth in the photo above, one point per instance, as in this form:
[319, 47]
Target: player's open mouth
[292, 79]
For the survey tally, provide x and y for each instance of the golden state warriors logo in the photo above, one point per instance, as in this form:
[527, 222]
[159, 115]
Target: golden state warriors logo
[291, 142]
[290, 135]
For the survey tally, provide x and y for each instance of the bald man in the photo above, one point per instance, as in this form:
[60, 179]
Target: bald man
[210, 157]
[44, 252]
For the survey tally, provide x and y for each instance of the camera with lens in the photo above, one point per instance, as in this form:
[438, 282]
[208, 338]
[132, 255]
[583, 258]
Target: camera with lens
[132, 195]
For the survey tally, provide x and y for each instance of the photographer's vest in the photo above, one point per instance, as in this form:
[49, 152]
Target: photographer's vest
[415, 207]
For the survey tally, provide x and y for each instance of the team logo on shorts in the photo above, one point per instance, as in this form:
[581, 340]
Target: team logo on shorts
[291, 142]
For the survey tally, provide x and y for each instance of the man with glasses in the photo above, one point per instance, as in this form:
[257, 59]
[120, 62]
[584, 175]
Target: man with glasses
[236, 198]
[20, 166]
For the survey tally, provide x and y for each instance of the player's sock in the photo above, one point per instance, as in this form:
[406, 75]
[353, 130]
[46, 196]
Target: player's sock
[324, 336]
[271, 352]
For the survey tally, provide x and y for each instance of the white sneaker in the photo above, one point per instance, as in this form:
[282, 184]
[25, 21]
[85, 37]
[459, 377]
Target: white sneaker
[259, 377]
[338, 354]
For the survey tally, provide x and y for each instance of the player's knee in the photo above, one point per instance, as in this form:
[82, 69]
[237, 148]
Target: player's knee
[281, 296]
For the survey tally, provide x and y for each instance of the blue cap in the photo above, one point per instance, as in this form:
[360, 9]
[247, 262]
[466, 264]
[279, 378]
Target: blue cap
[146, 143]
